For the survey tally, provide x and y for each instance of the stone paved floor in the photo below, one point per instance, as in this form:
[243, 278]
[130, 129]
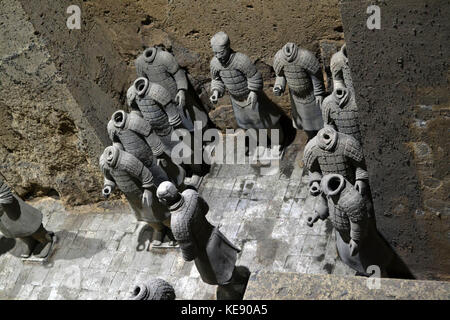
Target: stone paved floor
[98, 256]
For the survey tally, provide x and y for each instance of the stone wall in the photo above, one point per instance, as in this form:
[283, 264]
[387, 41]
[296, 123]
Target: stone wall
[401, 75]
[59, 86]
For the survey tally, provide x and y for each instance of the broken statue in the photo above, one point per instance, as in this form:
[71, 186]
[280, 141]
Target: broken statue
[214, 255]
[300, 70]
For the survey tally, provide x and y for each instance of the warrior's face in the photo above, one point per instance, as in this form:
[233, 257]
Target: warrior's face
[222, 53]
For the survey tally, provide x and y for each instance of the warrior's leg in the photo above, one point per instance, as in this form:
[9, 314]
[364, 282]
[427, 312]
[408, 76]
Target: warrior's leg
[30, 244]
[169, 233]
[158, 233]
[45, 239]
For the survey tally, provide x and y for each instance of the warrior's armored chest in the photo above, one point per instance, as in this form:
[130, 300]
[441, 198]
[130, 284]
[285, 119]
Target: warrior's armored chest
[125, 182]
[158, 73]
[334, 162]
[235, 81]
[297, 78]
[346, 119]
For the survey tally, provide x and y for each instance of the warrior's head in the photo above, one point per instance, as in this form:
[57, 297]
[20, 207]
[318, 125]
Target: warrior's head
[220, 44]
[168, 194]
[327, 138]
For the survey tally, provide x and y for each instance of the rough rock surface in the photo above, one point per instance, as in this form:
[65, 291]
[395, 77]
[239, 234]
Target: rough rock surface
[59, 86]
[401, 77]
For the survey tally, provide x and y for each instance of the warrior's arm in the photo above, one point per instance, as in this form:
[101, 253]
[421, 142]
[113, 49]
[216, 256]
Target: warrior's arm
[318, 85]
[162, 97]
[326, 114]
[216, 82]
[155, 144]
[280, 81]
[6, 196]
[254, 77]
[108, 180]
[360, 170]
[173, 68]
[172, 113]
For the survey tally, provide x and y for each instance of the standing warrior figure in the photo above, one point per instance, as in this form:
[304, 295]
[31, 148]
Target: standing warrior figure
[20, 220]
[135, 136]
[358, 243]
[339, 110]
[300, 69]
[340, 69]
[156, 106]
[135, 180]
[161, 67]
[235, 72]
[334, 152]
[214, 255]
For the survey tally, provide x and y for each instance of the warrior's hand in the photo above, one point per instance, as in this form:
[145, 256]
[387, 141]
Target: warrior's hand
[354, 247]
[252, 99]
[360, 185]
[319, 100]
[180, 98]
[107, 191]
[214, 97]
[277, 90]
[314, 188]
[147, 198]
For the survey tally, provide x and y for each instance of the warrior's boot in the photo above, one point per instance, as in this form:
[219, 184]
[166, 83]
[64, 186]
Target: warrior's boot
[172, 240]
[158, 234]
[45, 239]
[30, 245]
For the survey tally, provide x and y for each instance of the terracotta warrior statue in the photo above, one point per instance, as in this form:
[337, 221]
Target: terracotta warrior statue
[300, 69]
[156, 106]
[135, 135]
[334, 152]
[161, 67]
[214, 255]
[358, 243]
[339, 110]
[20, 220]
[235, 72]
[123, 170]
[155, 289]
[340, 69]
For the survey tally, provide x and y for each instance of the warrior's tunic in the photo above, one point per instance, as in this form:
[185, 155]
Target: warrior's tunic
[301, 71]
[161, 67]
